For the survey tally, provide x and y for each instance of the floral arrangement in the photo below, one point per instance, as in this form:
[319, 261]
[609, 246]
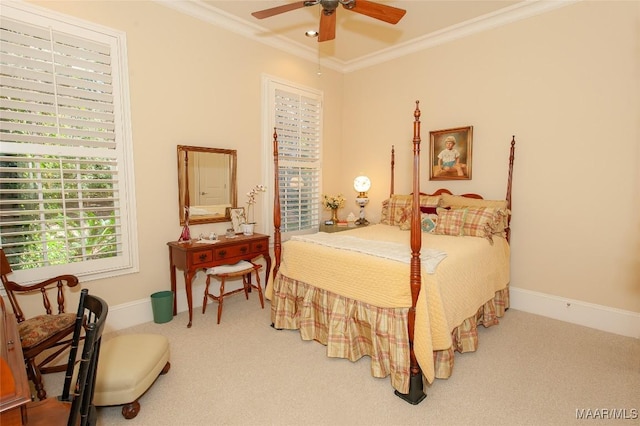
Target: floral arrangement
[251, 198]
[333, 202]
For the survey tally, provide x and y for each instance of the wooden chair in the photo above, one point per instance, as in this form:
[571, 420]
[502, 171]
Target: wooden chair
[241, 269]
[75, 405]
[47, 332]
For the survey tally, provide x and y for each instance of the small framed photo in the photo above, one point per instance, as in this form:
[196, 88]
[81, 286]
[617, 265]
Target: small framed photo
[237, 219]
[451, 154]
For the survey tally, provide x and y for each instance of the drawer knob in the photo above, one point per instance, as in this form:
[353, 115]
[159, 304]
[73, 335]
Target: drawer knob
[222, 253]
[259, 246]
[243, 249]
[203, 257]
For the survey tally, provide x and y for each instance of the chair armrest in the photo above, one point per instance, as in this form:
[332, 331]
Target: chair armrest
[55, 284]
[69, 280]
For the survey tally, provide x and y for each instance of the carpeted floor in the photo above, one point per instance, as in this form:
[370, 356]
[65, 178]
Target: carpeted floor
[529, 370]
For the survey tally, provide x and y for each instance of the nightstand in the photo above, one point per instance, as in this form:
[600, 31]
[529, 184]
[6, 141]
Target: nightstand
[336, 228]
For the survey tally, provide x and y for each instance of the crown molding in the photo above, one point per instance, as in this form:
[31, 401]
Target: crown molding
[222, 19]
[486, 22]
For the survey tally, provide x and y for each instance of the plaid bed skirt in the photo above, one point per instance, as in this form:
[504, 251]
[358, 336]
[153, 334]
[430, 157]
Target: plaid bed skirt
[351, 329]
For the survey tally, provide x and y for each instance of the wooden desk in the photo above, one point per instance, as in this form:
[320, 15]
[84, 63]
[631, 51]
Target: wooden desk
[192, 256]
[14, 385]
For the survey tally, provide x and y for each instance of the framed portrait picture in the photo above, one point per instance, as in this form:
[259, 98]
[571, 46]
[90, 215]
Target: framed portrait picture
[237, 219]
[451, 154]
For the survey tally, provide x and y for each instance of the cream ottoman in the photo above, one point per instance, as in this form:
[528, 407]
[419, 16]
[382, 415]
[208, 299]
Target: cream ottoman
[127, 366]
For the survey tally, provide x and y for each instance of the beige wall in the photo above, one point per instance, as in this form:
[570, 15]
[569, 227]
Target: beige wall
[566, 83]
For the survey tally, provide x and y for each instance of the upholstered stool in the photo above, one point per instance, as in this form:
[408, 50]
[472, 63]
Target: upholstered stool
[241, 269]
[127, 366]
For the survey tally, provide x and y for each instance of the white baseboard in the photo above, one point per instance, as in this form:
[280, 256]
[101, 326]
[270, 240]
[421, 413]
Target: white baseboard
[140, 311]
[600, 317]
[612, 320]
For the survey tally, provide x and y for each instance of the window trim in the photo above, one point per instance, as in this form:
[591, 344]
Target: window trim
[269, 85]
[128, 263]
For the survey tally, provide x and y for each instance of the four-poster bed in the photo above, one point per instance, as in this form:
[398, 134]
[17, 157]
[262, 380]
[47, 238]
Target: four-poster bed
[362, 292]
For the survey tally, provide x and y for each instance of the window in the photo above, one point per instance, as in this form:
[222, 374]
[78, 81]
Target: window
[296, 114]
[66, 167]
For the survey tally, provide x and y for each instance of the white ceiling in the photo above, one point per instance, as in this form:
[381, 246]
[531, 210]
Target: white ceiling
[360, 40]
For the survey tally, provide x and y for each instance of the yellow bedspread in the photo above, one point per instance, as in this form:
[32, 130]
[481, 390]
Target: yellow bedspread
[469, 276]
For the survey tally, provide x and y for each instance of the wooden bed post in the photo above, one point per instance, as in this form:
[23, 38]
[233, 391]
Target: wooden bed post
[416, 393]
[277, 238]
[393, 164]
[509, 179]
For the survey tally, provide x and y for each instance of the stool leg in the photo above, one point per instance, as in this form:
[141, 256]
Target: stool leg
[245, 285]
[206, 293]
[220, 298]
[259, 288]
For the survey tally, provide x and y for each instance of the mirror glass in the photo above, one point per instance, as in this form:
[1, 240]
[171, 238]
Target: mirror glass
[206, 183]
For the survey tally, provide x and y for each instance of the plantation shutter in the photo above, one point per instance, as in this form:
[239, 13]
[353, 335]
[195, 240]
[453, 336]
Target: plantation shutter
[298, 123]
[63, 165]
[56, 89]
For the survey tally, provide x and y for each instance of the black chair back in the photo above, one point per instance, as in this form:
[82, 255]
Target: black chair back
[91, 317]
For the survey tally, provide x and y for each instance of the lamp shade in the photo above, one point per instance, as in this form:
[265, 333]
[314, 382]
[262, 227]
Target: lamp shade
[361, 184]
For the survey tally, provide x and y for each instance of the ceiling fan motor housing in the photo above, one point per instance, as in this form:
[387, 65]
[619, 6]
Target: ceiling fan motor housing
[328, 6]
[372, 9]
[348, 4]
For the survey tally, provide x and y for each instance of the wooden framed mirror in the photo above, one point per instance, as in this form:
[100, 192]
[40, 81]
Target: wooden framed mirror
[206, 184]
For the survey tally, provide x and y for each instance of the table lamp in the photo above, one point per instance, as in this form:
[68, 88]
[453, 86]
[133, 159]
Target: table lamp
[362, 184]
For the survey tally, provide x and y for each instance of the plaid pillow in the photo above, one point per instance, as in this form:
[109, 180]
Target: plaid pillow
[394, 213]
[458, 202]
[501, 222]
[429, 201]
[478, 222]
[450, 222]
[384, 216]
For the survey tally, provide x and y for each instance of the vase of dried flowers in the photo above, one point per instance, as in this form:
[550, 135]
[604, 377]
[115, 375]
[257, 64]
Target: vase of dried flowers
[333, 203]
[334, 215]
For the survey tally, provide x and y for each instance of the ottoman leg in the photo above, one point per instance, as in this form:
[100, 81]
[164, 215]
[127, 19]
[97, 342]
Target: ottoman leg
[130, 410]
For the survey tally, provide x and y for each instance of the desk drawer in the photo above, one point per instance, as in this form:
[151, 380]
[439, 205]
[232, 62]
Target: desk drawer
[203, 256]
[233, 251]
[259, 246]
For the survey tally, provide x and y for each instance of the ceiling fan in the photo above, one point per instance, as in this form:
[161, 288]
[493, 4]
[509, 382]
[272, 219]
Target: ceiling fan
[327, 30]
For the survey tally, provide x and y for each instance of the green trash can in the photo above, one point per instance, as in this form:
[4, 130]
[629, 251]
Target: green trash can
[162, 305]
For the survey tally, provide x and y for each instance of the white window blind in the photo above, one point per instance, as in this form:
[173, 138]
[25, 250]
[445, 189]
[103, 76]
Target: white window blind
[297, 117]
[65, 160]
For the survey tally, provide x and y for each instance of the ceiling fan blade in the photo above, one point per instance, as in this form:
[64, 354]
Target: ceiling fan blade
[379, 11]
[261, 14]
[327, 26]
